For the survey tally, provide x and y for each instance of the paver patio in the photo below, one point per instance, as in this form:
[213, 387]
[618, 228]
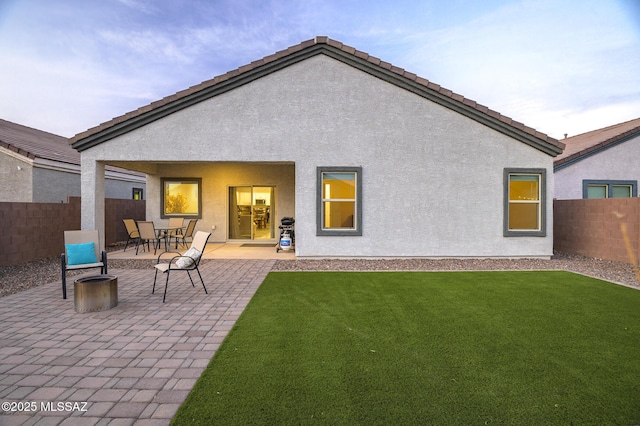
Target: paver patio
[133, 364]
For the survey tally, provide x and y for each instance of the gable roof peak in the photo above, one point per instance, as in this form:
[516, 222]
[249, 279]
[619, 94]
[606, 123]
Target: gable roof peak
[337, 50]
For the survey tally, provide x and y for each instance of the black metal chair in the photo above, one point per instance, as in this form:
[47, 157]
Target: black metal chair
[188, 233]
[132, 231]
[148, 234]
[183, 262]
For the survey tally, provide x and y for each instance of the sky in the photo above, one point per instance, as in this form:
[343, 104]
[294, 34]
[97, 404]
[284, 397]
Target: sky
[561, 67]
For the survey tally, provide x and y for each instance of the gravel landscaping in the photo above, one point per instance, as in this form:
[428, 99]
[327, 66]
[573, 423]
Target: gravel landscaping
[18, 278]
[617, 272]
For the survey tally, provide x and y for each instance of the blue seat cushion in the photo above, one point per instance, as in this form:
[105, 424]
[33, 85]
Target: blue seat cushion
[80, 254]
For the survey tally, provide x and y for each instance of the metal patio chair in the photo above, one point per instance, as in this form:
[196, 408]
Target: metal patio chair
[183, 262]
[177, 233]
[188, 233]
[132, 231]
[148, 234]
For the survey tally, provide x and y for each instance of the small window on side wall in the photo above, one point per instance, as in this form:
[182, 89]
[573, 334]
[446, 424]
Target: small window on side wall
[609, 188]
[525, 203]
[137, 193]
[181, 197]
[339, 201]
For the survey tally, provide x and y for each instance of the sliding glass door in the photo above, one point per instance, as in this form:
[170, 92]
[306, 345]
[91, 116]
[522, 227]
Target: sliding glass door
[250, 212]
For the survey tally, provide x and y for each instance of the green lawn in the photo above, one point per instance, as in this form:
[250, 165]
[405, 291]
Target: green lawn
[388, 348]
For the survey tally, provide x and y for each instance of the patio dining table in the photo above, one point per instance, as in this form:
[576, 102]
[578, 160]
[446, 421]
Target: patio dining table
[165, 231]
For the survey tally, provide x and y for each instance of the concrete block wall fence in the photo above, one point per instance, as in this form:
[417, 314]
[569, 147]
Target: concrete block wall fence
[115, 211]
[592, 227]
[32, 231]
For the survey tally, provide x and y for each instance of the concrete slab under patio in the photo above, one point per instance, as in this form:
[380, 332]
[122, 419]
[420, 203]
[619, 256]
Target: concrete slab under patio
[214, 251]
[132, 364]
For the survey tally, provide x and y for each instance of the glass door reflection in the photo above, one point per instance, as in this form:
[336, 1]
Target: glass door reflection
[250, 212]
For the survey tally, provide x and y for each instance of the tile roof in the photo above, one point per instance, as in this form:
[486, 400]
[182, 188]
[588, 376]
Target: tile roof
[320, 44]
[589, 143]
[33, 143]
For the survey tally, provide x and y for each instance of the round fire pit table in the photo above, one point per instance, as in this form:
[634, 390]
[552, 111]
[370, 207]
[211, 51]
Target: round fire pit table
[95, 293]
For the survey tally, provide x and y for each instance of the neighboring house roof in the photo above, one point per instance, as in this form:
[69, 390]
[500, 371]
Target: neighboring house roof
[304, 50]
[45, 149]
[33, 143]
[586, 144]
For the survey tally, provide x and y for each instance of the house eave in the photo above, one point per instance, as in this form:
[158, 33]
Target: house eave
[180, 103]
[17, 154]
[589, 152]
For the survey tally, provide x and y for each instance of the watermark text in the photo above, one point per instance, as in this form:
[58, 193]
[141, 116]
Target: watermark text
[48, 406]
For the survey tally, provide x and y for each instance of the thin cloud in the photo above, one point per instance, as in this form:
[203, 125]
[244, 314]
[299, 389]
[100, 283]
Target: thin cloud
[541, 62]
[528, 60]
[152, 45]
[147, 7]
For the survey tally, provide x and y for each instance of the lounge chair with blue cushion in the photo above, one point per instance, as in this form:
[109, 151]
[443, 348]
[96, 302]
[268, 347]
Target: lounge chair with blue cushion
[81, 251]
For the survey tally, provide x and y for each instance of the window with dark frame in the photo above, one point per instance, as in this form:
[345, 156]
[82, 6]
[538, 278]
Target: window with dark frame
[339, 201]
[524, 202]
[181, 197]
[137, 194]
[592, 188]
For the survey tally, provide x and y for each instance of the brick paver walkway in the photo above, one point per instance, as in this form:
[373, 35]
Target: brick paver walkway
[131, 365]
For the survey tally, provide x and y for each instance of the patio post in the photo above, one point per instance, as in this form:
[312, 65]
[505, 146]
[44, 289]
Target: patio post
[92, 194]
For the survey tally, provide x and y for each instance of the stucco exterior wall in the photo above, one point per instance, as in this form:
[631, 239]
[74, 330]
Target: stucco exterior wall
[54, 186]
[16, 178]
[22, 182]
[432, 178]
[115, 188]
[620, 162]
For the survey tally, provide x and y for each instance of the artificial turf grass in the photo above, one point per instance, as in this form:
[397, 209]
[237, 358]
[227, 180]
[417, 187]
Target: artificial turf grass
[418, 348]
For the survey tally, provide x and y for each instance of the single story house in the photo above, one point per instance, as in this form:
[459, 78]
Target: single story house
[40, 167]
[370, 160]
[603, 163]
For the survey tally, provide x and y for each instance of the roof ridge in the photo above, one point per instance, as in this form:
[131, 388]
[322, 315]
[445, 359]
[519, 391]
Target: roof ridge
[21, 129]
[598, 145]
[34, 144]
[33, 128]
[606, 128]
[320, 40]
